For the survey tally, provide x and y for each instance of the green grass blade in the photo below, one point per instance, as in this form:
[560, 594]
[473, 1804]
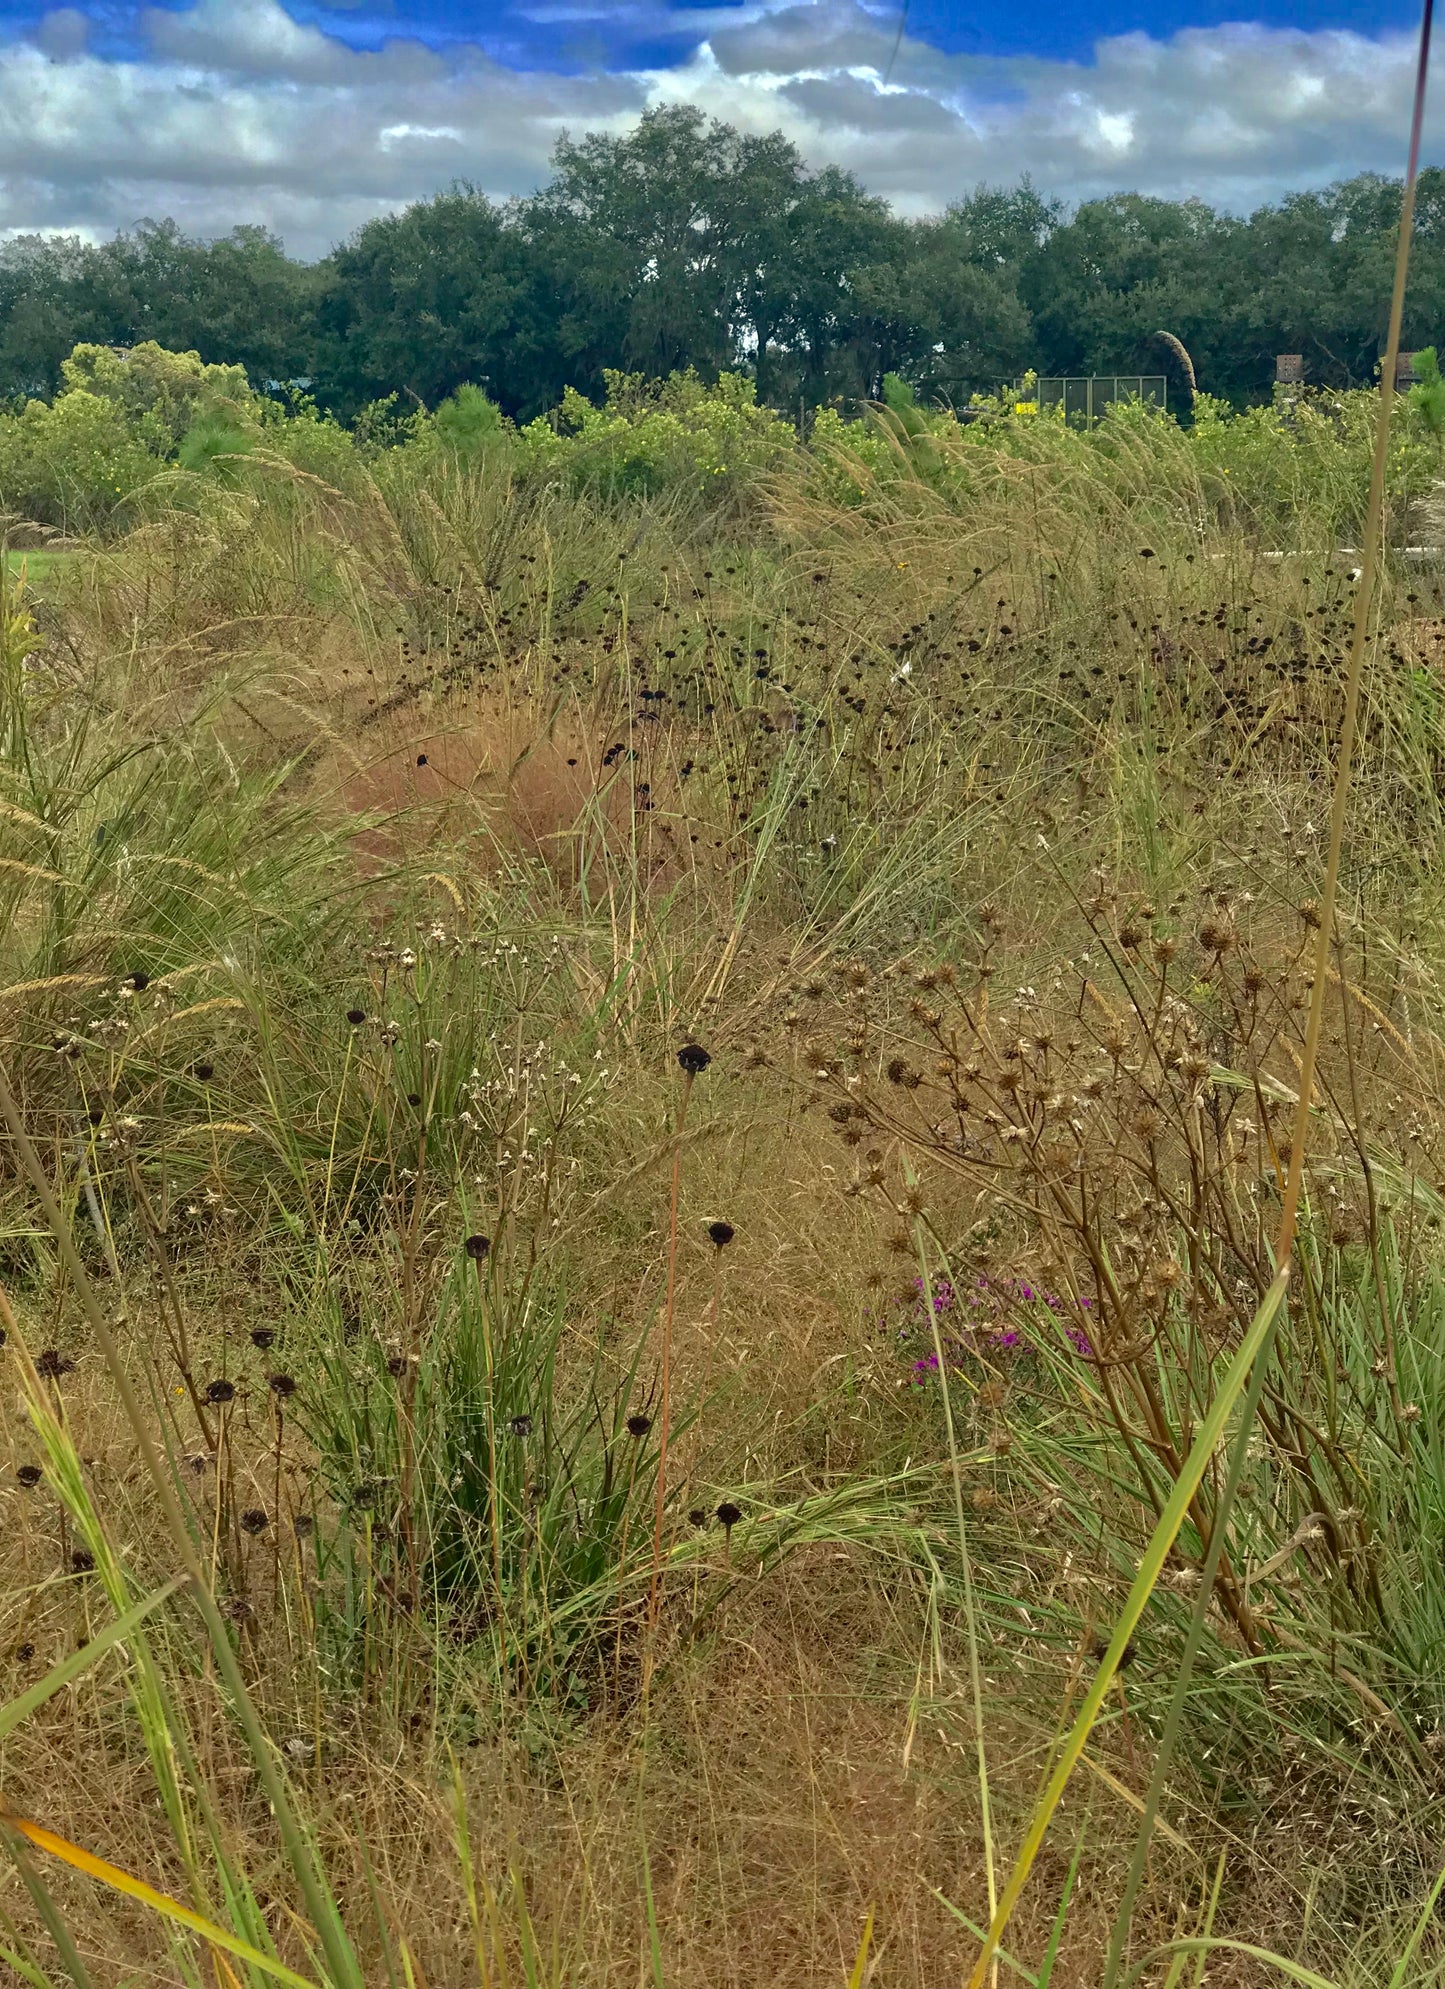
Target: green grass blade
[24, 1969]
[1010, 1961]
[51, 1916]
[653, 1936]
[1197, 1944]
[16, 1711]
[1193, 1639]
[1056, 1932]
[1427, 1913]
[1150, 1569]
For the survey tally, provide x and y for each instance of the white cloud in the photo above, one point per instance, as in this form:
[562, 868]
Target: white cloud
[418, 134]
[240, 113]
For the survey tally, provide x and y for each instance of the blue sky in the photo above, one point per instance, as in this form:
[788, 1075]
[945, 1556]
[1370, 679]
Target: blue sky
[310, 118]
[628, 35]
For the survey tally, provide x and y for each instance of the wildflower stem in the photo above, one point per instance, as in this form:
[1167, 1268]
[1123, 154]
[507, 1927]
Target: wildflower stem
[975, 1676]
[666, 1397]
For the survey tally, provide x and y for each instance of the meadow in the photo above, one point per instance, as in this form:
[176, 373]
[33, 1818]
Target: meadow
[647, 1068]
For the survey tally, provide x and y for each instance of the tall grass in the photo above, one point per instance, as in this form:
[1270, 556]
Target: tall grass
[368, 854]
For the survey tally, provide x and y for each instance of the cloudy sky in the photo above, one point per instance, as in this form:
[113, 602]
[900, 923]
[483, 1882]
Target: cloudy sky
[311, 118]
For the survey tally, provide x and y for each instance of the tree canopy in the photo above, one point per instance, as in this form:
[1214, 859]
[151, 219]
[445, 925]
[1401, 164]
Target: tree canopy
[688, 244]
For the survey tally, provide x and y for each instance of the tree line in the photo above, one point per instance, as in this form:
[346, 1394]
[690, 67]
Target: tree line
[688, 243]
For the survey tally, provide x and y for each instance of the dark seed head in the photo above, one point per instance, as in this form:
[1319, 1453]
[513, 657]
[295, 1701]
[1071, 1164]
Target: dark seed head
[29, 1476]
[254, 1520]
[638, 1426]
[693, 1058]
[721, 1233]
[729, 1514]
[282, 1385]
[138, 981]
[24, 1653]
[697, 1517]
[52, 1364]
[96, 1115]
[396, 1366]
[413, 1098]
[1099, 1648]
[302, 1525]
[263, 1337]
[520, 1426]
[356, 1016]
[421, 759]
[220, 1391]
[477, 1247]
[204, 1072]
[82, 1560]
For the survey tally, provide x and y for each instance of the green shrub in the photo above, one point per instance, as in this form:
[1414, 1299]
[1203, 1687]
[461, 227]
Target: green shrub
[162, 394]
[380, 426]
[1426, 398]
[314, 443]
[468, 423]
[73, 462]
[211, 445]
[654, 436]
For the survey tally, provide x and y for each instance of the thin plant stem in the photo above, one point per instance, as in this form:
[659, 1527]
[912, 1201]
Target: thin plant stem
[975, 1676]
[666, 1384]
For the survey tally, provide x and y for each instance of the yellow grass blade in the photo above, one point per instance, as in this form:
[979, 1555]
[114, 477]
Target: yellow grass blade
[855, 1980]
[1126, 1794]
[159, 1902]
